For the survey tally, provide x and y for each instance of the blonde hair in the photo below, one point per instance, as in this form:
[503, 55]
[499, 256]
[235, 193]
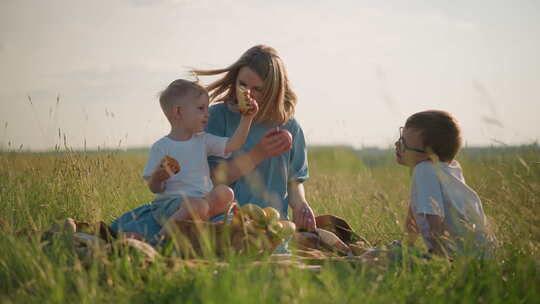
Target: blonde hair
[179, 91]
[278, 99]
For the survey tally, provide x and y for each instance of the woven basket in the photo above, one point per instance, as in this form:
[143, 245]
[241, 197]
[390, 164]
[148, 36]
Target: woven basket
[203, 239]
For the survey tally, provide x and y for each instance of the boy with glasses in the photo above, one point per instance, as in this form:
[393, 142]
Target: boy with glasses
[443, 208]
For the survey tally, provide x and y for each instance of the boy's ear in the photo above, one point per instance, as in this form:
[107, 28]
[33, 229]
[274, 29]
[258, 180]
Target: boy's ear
[177, 111]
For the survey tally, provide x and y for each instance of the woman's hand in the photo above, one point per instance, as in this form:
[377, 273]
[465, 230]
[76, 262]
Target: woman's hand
[303, 217]
[273, 143]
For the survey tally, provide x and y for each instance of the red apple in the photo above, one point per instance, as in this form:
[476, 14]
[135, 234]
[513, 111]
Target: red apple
[289, 137]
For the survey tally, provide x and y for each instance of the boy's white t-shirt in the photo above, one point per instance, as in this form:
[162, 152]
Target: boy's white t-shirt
[440, 189]
[193, 180]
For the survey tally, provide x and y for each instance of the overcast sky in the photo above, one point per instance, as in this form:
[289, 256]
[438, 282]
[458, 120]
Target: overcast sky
[92, 69]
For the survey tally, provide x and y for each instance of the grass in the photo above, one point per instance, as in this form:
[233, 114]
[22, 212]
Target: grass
[365, 187]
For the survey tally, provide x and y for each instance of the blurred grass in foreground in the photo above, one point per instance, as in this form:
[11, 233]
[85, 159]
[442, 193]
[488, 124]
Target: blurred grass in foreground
[365, 187]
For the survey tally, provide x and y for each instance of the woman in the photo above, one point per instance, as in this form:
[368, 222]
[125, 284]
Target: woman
[271, 166]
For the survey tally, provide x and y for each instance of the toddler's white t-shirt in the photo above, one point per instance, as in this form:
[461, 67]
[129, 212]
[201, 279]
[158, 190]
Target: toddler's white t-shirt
[193, 180]
[440, 189]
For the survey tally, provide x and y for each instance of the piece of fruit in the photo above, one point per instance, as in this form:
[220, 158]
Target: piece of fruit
[242, 94]
[289, 136]
[170, 165]
[253, 228]
[288, 228]
[275, 229]
[286, 136]
[255, 213]
[272, 215]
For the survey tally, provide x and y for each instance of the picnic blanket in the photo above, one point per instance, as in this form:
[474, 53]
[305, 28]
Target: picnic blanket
[200, 239]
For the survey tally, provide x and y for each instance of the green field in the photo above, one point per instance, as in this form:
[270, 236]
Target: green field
[365, 187]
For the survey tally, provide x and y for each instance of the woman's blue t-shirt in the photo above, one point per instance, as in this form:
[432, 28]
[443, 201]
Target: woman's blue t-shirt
[266, 185]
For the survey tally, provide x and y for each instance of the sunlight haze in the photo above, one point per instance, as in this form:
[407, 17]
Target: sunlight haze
[91, 70]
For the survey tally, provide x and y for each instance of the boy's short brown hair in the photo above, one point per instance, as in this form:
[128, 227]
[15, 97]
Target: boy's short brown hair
[179, 91]
[440, 132]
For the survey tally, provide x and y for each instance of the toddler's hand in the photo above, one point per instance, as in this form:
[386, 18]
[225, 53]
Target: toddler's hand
[253, 108]
[159, 175]
[247, 106]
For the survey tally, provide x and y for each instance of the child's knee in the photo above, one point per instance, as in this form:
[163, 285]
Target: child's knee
[224, 194]
[197, 206]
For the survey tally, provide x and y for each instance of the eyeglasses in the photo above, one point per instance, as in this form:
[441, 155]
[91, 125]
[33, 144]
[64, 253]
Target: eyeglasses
[403, 145]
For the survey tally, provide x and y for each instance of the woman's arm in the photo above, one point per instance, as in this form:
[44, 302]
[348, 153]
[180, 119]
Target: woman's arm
[303, 215]
[273, 143]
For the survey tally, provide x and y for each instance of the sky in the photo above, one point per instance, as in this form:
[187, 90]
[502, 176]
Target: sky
[87, 73]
